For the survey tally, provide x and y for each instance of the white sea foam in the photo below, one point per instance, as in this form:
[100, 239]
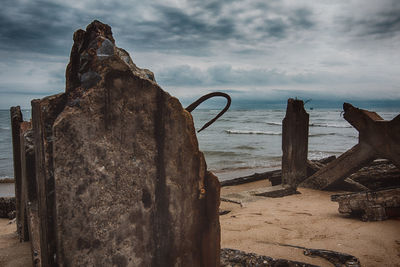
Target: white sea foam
[328, 125]
[274, 123]
[251, 132]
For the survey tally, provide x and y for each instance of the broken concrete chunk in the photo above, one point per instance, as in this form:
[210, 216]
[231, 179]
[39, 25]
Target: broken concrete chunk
[121, 179]
[371, 205]
[377, 139]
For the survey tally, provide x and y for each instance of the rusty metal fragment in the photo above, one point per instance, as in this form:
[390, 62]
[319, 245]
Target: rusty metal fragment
[195, 104]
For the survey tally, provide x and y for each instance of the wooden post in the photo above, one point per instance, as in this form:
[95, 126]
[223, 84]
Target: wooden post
[294, 143]
[24, 233]
[16, 120]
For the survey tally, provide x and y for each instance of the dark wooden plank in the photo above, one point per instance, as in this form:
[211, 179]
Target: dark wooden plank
[294, 143]
[16, 120]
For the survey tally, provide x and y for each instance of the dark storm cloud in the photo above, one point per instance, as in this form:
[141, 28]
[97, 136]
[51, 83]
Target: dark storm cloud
[182, 25]
[35, 26]
[209, 42]
[384, 23]
[47, 27]
[177, 29]
[226, 75]
[292, 20]
[302, 18]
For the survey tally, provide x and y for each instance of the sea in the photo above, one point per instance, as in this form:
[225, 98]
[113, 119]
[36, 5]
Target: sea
[242, 139]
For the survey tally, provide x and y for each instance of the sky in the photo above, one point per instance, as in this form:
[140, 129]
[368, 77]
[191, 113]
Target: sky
[252, 49]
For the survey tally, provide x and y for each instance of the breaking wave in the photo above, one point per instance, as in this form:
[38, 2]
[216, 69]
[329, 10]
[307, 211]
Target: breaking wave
[327, 125]
[245, 148]
[274, 123]
[252, 132]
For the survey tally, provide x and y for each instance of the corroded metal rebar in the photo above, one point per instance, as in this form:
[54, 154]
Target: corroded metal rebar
[194, 105]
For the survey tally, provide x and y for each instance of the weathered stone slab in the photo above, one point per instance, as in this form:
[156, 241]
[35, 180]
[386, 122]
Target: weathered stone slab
[294, 143]
[44, 113]
[131, 186]
[29, 192]
[26, 166]
[346, 164]
[371, 205]
[16, 120]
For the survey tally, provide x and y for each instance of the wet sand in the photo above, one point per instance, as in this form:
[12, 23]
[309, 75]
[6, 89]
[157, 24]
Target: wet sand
[7, 190]
[266, 226]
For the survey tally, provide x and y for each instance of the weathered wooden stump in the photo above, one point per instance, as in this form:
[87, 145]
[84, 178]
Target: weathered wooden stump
[23, 199]
[16, 120]
[294, 144]
[121, 179]
[377, 139]
[370, 205]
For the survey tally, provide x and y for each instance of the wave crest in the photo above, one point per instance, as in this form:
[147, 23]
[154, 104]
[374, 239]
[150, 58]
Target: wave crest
[252, 132]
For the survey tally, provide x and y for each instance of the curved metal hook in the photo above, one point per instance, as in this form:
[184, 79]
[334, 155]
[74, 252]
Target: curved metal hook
[194, 105]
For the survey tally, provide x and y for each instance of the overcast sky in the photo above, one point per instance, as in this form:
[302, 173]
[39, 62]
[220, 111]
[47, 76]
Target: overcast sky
[251, 48]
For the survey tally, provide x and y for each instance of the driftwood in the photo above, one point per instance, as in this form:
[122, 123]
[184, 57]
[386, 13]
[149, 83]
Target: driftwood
[275, 191]
[377, 139]
[233, 257]
[336, 258]
[371, 205]
[275, 176]
[378, 175]
[253, 178]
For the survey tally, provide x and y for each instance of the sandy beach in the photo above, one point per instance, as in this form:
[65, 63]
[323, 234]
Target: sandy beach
[310, 219]
[272, 226]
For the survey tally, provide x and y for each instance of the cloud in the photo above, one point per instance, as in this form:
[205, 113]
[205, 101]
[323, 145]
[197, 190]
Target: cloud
[341, 46]
[226, 75]
[379, 19]
[35, 26]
